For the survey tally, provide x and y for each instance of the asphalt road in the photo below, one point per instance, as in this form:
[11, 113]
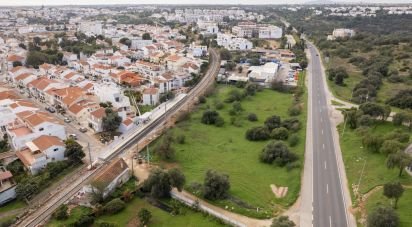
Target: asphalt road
[328, 201]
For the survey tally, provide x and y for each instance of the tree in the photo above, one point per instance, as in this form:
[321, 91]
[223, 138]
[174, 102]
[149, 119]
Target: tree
[27, 187]
[17, 63]
[111, 121]
[144, 216]
[282, 221]
[372, 142]
[400, 160]
[158, 184]
[83, 221]
[209, 117]
[177, 179]
[4, 145]
[393, 191]
[164, 149]
[383, 217]
[252, 117]
[277, 152]
[272, 122]
[74, 151]
[257, 133]
[36, 40]
[225, 54]
[146, 36]
[61, 213]
[391, 146]
[279, 133]
[216, 185]
[114, 206]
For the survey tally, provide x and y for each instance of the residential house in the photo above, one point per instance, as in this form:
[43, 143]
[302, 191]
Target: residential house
[95, 119]
[7, 186]
[126, 78]
[40, 151]
[112, 176]
[151, 96]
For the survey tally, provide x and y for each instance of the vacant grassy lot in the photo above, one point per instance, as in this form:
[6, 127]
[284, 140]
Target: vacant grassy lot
[226, 150]
[128, 217]
[13, 205]
[375, 172]
[404, 205]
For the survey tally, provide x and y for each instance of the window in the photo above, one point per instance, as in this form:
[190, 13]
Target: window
[55, 149]
[41, 129]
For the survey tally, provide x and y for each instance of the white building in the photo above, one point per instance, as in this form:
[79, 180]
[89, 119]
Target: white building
[110, 92]
[151, 96]
[231, 42]
[41, 151]
[341, 33]
[263, 74]
[138, 43]
[112, 176]
[91, 28]
[270, 32]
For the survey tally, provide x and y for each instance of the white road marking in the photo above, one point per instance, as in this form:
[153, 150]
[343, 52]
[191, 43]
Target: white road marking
[330, 221]
[325, 164]
[323, 145]
[327, 189]
[322, 131]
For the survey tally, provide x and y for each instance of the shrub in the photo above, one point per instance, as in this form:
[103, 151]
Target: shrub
[277, 152]
[383, 216]
[293, 140]
[272, 122]
[83, 221]
[365, 120]
[209, 117]
[295, 110]
[114, 206]
[252, 117]
[257, 133]
[219, 105]
[234, 95]
[219, 121]
[216, 185]
[180, 139]
[279, 133]
[292, 124]
[202, 99]
[144, 216]
[61, 213]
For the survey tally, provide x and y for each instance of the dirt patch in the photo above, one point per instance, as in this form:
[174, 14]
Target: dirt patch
[133, 222]
[279, 192]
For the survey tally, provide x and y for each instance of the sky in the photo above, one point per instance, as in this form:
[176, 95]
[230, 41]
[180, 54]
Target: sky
[94, 2]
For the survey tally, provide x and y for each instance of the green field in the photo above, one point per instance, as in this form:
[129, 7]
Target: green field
[375, 171]
[159, 217]
[404, 203]
[13, 205]
[128, 217]
[226, 150]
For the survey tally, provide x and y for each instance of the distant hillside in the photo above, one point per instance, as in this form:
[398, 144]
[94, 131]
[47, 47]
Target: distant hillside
[320, 2]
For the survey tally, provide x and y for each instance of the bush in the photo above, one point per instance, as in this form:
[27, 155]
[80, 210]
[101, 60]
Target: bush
[257, 133]
[114, 206]
[365, 120]
[293, 140]
[273, 122]
[219, 105]
[144, 216]
[83, 221]
[295, 110]
[383, 217]
[279, 133]
[292, 124]
[219, 121]
[252, 117]
[277, 152]
[202, 99]
[61, 213]
[180, 139]
[216, 185]
[209, 117]
[234, 95]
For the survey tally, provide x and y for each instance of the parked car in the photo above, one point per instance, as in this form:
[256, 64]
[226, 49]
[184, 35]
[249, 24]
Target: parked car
[67, 120]
[50, 109]
[73, 136]
[83, 129]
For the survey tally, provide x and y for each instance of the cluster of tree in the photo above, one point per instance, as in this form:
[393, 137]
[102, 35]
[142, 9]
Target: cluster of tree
[38, 57]
[160, 182]
[274, 128]
[337, 75]
[166, 96]
[366, 115]
[403, 118]
[211, 117]
[195, 79]
[403, 99]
